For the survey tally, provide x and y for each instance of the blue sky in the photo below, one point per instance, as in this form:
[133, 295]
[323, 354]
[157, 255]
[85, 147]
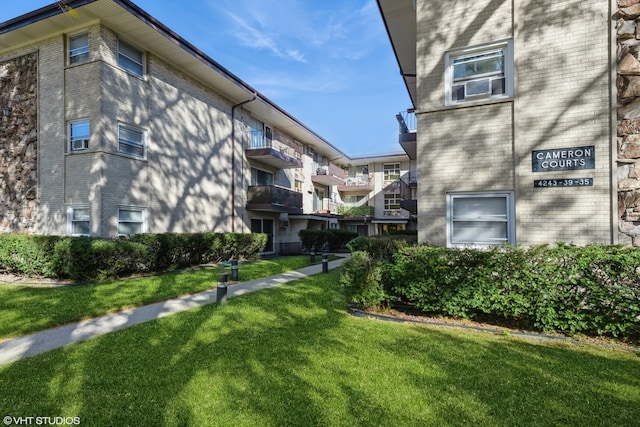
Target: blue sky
[329, 63]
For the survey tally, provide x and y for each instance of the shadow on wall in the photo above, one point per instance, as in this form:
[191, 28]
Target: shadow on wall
[552, 111]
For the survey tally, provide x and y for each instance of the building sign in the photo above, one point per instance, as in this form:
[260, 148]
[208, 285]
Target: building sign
[563, 182]
[563, 159]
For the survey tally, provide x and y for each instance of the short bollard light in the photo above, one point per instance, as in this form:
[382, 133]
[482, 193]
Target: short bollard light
[234, 270]
[325, 263]
[221, 295]
[312, 257]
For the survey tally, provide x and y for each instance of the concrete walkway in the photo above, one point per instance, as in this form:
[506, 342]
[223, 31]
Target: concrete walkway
[21, 347]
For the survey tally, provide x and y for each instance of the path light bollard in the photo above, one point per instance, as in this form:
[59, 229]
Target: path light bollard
[325, 263]
[221, 295]
[313, 255]
[234, 270]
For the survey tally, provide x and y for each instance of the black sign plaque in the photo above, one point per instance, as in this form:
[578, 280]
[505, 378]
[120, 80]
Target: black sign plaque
[563, 159]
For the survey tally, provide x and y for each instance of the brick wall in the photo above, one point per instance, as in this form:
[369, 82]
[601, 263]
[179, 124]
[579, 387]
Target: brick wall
[52, 137]
[562, 77]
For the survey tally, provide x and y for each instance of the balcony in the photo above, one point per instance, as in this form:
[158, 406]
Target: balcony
[269, 198]
[356, 211]
[408, 190]
[408, 132]
[326, 206]
[274, 150]
[327, 174]
[357, 184]
[410, 205]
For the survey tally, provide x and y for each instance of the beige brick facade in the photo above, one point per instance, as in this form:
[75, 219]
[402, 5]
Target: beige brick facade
[194, 173]
[562, 83]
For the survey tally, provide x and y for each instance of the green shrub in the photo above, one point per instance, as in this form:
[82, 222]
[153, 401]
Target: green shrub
[339, 238]
[89, 258]
[27, 254]
[319, 239]
[240, 246]
[362, 281]
[593, 289]
[378, 248]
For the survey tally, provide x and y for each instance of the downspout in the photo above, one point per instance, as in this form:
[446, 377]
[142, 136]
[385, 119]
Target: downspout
[233, 159]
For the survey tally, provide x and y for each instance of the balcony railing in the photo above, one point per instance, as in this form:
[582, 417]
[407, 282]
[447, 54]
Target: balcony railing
[357, 183]
[274, 199]
[327, 174]
[351, 210]
[407, 121]
[408, 132]
[277, 150]
[328, 206]
[328, 169]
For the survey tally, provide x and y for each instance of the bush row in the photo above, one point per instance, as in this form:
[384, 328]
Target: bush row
[88, 258]
[326, 239]
[593, 289]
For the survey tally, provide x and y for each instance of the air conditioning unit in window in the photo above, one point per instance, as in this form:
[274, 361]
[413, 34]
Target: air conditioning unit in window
[80, 144]
[477, 88]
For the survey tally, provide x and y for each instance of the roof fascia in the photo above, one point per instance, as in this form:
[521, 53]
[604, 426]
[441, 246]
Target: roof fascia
[39, 14]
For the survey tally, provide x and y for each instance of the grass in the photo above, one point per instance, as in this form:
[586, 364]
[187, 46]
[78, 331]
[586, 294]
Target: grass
[292, 356]
[25, 309]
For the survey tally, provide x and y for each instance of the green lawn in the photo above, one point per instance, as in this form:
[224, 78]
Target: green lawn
[292, 356]
[25, 309]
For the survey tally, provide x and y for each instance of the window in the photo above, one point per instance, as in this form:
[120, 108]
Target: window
[391, 171]
[298, 185]
[131, 141]
[79, 132]
[132, 221]
[78, 220]
[78, 48]
[260, 177]
[392, 202]
[264, 226]
[480, 219]
[130, 58]
[261, 136]
[479, 73]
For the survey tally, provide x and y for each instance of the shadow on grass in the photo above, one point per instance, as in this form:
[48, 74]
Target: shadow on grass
[510, 381]
[29, 309]
[292, 356]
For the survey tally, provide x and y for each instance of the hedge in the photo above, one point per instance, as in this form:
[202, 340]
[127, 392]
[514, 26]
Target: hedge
[321, 239]
[89, 258]
[593, 289]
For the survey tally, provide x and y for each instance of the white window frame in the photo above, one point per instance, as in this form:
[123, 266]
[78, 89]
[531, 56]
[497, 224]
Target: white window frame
[131, 144]
[394, 200]
[143, 223]
[395, 170]
[83, 140]
[509, 218]
[135, 66]
[79, 54]
[504, 46]
[71, 219]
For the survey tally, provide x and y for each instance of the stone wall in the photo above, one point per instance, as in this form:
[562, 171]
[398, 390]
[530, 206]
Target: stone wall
[18, 144]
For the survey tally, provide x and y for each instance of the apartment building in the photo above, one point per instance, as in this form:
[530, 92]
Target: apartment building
[372, 195]
[527, 118]
[112, 124]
